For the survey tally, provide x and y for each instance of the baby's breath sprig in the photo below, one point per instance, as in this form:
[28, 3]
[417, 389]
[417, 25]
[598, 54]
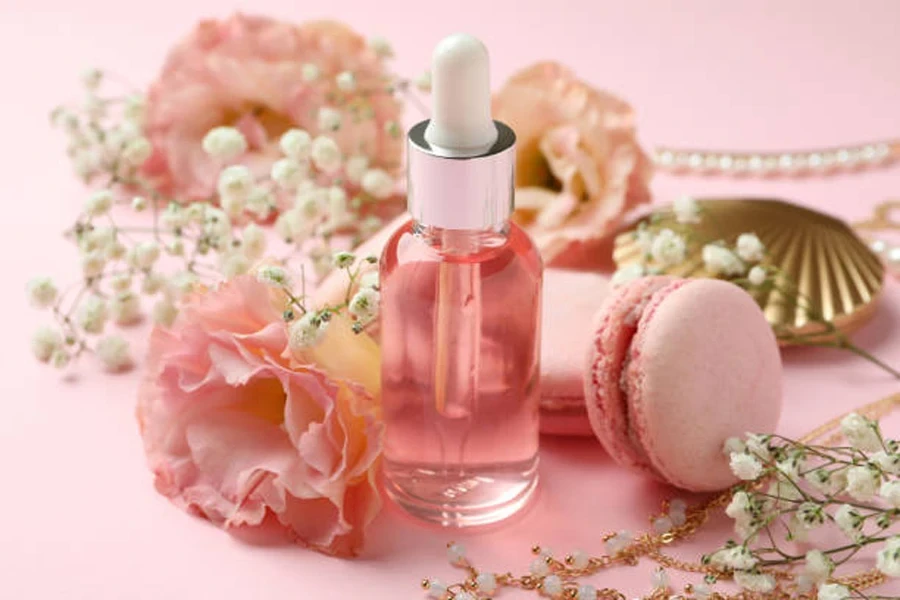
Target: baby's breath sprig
[318, 199]
[741, 261]
[791, 490]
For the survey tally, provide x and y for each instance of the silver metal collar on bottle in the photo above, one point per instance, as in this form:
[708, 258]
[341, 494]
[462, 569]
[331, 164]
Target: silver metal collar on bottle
[471, 192]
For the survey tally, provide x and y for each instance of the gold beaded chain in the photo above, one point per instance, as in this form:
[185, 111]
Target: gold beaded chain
[651, 546]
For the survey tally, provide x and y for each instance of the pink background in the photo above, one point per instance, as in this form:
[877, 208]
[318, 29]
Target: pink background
[80, 517]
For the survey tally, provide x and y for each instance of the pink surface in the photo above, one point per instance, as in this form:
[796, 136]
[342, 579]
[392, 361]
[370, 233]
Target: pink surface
[722, 378]
[81, 517]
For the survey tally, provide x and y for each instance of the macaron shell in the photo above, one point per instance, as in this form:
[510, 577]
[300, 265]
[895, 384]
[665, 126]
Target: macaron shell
[704, 366]
[615, 324]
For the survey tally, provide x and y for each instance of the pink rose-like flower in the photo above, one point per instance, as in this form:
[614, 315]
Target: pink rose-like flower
[248, 72]
[579, 167]
[236, 429]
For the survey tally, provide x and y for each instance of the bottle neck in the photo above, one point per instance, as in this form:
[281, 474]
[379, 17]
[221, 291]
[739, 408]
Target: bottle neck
[462, 241]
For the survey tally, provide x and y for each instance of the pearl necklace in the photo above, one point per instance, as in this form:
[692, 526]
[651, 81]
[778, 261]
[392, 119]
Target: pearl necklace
[769, 164]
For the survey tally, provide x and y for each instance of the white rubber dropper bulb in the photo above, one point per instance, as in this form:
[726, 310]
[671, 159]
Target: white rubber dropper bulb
[461, 123]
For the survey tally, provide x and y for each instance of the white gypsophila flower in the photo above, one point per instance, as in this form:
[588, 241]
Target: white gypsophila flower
[850, 521]
[827, 482]
[174, 217]
[134, 108]
[356, 167]
[97, 239]
[236, 180]
[115, 251]
[740, 507]
[86, 163]
[732, 445]
[92, 264]
[98, 203]
[288, 173]
[152, 283]
[273, 275]
[125, 308]
[306, 331]
[326, 154]
[423, 82]
[686, 210]
[42, 292]
[745, 466]
[890, 493]
[888, 558]
[668, 248]
[311, 200]
[750, 248]
[739, 558]
[145, 255]
[233, 264]
[343, 259]
[337, 204]
[378, 183]
[328, 119]
[138, 203]
[45, 342]
[60, 358]
[295, 143]
[260, 202]
[95, 108]
[643, 237]
[758, 445]
[175, 247]
[818, 566]
[832, 591]
[757, 276]
[113, 352]
[719, 260]
[364, 305]
[164, 312]
[224, 143]
[253, 242]
[889, 463]
[810, 515]
[626, 274]
[137, 151]
[92, 314]
[292, 227]
[862, 482]
[369, 279]
[233, 206]
[860, 432]
[381, 47]
[91, 78]
[754, 582]
[120, 283]
[346, 81]
[310, 72]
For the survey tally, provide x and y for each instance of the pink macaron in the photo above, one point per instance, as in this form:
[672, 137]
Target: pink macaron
[676, 367]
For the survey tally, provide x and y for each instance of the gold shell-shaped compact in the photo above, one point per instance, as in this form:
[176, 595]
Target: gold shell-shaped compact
[832, 274]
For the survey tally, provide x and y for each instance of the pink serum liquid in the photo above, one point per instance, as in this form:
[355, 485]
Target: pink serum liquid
[460, 327]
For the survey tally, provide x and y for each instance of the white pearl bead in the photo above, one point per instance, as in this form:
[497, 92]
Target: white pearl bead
[755, 163]
[893, 255]
[456, 553]
[843, 156]
[695, 160]
[464, 596]
[580, 559]
[725, 162]
[677, 505]
[869, 154]
[882, 151]
[539, 567]
[552, 586]
[666, 158]
[878, 246]
[815, 160]
[587, 592]
[436, 589]
[786, 161]
[546, 552]
[662, 524]
[487, 583]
